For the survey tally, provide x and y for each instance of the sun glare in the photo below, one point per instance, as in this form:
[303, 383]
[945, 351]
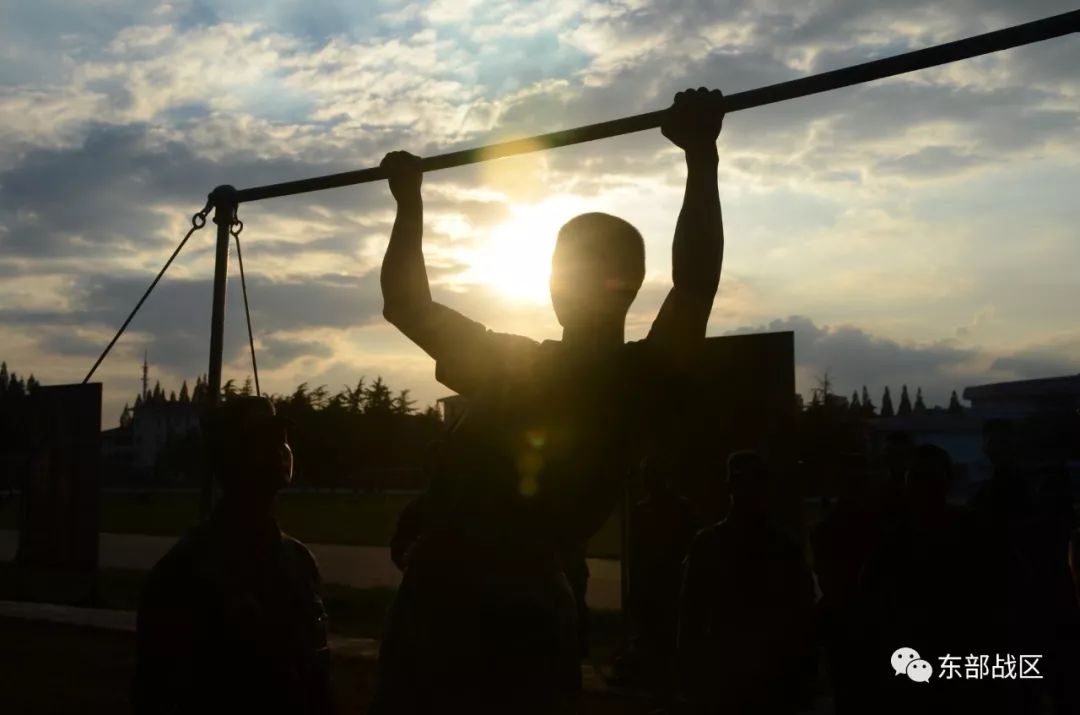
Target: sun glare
[516, 257]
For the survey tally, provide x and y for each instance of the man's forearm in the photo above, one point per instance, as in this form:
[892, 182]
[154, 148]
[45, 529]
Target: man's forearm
[698, 248]
[404, 277]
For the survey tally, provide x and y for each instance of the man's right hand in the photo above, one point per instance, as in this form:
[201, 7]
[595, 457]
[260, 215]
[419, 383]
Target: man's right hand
[404, 173]
[694, 119]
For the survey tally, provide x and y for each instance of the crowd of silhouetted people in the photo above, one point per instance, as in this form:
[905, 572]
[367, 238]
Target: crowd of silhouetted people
[750, 615]
[745, 615]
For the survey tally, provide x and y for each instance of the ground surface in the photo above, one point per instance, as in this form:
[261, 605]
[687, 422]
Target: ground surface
[312, 517]
[54, 669]
[357, 567]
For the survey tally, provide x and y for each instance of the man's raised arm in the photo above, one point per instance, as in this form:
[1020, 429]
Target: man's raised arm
[406, 293]
[407, 302]
[467, 354]
[693, 123]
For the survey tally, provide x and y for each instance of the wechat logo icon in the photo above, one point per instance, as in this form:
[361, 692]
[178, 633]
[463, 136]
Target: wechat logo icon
[906, 661]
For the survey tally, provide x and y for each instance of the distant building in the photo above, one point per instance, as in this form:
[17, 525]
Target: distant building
[1026, 398]
[132, 450]
[154, 424]
[959, 435]
[452, 408]
[117, 454]
[1047, 411]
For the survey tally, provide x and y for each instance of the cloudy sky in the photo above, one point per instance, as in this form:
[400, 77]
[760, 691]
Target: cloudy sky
[920, 230]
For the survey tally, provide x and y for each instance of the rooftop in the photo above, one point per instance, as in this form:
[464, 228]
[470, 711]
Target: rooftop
[1043, 387]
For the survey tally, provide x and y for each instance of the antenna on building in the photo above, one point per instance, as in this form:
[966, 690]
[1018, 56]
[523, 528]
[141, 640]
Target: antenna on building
[145, 377]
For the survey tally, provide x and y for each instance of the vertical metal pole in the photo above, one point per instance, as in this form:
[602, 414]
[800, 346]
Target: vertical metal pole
[224, 200]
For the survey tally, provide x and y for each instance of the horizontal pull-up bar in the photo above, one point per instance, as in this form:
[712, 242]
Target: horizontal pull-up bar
[1025, 34]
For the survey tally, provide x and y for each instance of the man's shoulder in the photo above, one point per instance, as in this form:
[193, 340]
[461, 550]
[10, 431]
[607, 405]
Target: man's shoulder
[192, 545]
[301, 555]
[178, 567]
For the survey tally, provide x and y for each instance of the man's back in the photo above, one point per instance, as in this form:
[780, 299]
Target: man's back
[746, 616]
[548, 438]
[225, 626]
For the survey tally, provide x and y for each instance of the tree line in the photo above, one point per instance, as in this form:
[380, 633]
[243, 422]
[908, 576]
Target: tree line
[14, 387]
[365, 436]
[862, 406]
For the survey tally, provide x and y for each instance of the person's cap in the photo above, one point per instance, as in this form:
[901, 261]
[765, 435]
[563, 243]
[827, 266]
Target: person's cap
[241, 416]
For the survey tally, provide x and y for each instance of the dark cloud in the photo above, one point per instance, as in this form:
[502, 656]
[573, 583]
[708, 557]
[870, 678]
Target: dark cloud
[275, 351]
[105, 196]
[1049, 360]
[176, 317]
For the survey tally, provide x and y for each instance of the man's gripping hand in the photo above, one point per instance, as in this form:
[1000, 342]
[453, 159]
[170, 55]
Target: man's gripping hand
[404, 173]
[693, 120]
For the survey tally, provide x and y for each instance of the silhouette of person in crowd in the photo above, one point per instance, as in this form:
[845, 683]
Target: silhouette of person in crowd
[745, 639]
[662, 527]
[1054, 618]
[1005, 496]
[484, 619]
[1002, 513]
[422, 514]
[231, 619]
[924, 584]
[889, 507]
[841, 543]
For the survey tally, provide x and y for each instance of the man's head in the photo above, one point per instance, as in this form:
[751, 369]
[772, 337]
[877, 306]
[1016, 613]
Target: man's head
[928, 477]
[999, 442]
[248, 448]
[898, 446]
[596, 270]
[748, 482]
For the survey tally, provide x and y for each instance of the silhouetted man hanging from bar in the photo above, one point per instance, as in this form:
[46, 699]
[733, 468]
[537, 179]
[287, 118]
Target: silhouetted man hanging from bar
[485, 619]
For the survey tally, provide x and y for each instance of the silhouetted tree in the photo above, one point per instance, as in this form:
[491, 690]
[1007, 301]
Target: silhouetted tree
[855, 407]
[886, 403]
[228, 390]
[824, 389]
[337, 402]
[920, 406]
[300, 400]
[247, 389]
[377, 398]
[318, 397]
[905, 403]
[954, 404]
[185, 398]
[125, 416]
[32, 384]
[172, 395]
[402, 405]
[16, 388]
[4, 378]
[354, 397]
[868, 409]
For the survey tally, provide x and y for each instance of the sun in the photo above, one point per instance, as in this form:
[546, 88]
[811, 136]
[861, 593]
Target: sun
[515, 259]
